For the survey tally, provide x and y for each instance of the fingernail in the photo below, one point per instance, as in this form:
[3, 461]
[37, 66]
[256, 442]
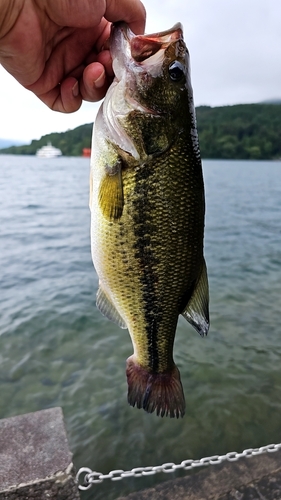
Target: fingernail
[75, 89]
[100, 81]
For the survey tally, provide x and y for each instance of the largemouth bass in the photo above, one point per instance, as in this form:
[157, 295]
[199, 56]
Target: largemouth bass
[147, 210]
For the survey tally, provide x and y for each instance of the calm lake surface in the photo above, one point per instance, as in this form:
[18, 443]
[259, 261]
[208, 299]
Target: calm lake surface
[56, 349]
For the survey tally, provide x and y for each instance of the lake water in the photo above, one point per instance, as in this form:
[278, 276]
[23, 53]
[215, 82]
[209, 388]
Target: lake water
[56, 349]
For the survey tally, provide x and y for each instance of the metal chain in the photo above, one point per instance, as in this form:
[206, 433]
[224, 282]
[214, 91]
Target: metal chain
[93, 477]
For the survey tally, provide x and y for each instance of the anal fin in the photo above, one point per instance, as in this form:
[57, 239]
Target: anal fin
[196, 312]
[108, 309]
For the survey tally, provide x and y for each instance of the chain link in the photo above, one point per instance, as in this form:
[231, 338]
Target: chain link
[93, 477]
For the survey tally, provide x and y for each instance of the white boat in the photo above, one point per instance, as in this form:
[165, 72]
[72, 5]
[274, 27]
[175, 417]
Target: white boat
[48, 151]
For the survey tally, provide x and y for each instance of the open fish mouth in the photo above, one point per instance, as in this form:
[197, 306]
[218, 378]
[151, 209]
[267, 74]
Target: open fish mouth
[145, 52]
[144, 47]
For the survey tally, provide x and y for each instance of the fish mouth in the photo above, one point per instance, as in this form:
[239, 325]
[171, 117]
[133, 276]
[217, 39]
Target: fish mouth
[145, 46]
[145, 52]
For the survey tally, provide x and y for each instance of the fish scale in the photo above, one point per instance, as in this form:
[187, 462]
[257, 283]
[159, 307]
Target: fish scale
[147, 224]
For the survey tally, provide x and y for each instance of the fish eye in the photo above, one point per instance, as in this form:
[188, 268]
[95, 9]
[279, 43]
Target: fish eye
[176, 71]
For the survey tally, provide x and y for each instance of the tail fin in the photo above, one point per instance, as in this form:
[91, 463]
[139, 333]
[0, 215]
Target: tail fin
[160, 392]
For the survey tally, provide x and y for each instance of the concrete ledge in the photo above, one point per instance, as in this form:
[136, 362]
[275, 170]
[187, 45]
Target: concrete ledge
[253, 478]
[35, 461]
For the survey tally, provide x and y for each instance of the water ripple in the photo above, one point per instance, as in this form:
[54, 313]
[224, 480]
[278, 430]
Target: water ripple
[57, 350]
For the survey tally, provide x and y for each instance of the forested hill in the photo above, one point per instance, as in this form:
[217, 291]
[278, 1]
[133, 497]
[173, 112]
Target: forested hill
[71, 143]
[244, 131]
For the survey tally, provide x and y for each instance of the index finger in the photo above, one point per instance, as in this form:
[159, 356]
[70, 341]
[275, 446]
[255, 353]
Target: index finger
[130, 11]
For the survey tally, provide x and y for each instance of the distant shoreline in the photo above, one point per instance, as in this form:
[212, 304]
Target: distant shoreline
[238, 132]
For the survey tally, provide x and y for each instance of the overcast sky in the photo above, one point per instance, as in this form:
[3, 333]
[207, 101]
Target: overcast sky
[235, 48]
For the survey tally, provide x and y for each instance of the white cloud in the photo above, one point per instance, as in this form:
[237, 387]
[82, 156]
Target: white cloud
[24, 117]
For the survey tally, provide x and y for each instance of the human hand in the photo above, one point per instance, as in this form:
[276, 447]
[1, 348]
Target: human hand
[55, 47]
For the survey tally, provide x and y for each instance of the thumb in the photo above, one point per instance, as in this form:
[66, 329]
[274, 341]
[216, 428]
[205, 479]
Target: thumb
[130, 11]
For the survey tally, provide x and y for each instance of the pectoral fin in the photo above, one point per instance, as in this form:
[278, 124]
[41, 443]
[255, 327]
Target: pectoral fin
[111, 199]
[108, 309]
[196, 312]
